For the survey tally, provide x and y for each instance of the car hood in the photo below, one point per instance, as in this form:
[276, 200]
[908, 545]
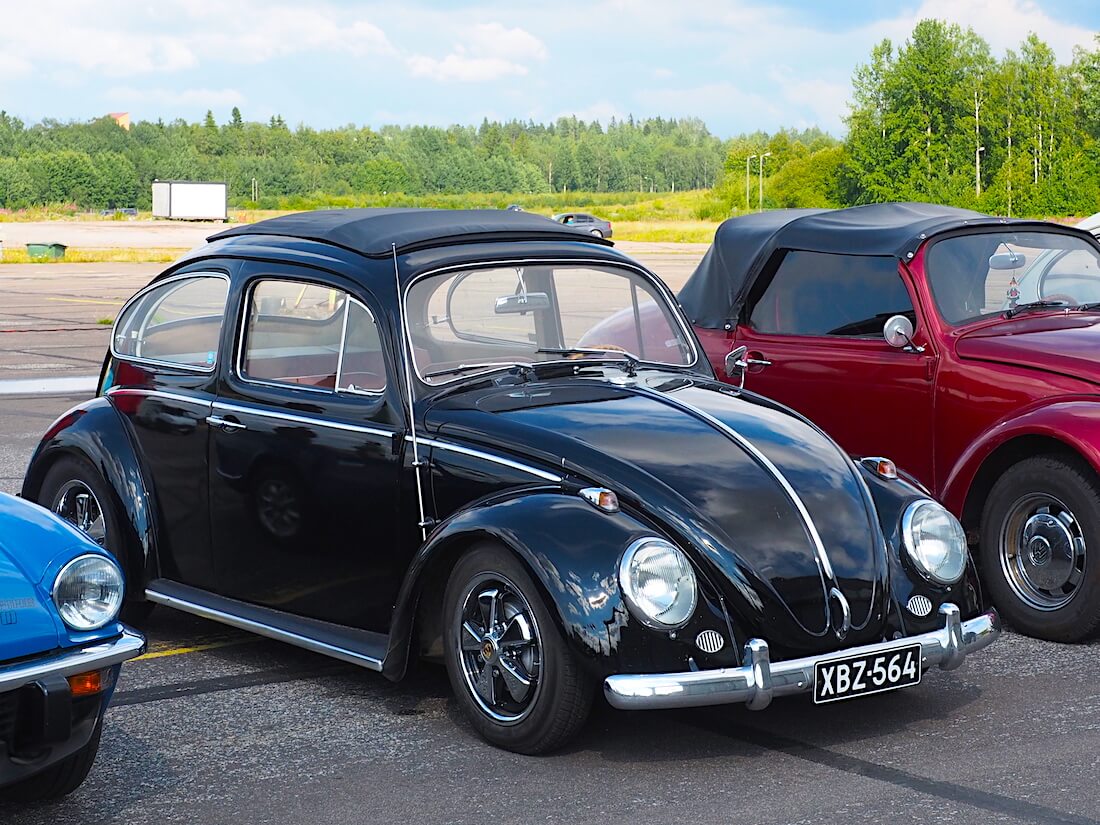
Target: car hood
[27, 535]
[734, 475]
[1066, 344]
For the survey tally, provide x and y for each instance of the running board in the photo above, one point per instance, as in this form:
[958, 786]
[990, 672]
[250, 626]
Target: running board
[359, 647]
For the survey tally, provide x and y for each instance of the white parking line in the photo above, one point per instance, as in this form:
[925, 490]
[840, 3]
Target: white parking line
[49, 386]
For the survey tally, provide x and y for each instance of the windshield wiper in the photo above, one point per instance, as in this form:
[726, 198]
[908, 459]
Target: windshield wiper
[627, 360]
[515, 365]
[1030, 305]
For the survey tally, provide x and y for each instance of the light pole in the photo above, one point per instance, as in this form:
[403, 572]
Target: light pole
[748, 179]
[978, 171]
[760, 207]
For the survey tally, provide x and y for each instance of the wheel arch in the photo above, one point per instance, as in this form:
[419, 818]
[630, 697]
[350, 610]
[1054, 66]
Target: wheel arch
[528, 524]
[94, 432]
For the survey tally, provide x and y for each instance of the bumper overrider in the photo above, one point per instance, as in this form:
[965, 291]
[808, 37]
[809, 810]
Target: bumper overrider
[760, 680]
[50, 705]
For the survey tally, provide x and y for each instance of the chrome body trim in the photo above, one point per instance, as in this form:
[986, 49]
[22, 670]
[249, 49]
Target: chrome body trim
[167, 396]
[655, 282]
[225, 406]
[268, 631]
[819, 546]
[95, 656]
[759, 680]
[156, 285]
[496, 459]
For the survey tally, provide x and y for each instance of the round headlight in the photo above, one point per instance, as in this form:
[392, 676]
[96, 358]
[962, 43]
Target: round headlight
[88, 592]
[658, 583]
[935, 541]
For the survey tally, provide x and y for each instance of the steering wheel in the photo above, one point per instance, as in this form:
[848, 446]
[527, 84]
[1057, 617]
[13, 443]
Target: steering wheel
[1069, 300]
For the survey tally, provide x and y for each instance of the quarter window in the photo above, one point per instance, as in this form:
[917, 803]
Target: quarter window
[308, 335]
[815, 293]
[177, 323]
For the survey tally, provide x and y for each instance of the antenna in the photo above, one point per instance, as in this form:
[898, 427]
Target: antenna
[406, 356]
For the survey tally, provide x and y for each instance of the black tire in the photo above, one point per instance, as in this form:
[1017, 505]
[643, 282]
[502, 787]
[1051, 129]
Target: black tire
[57, 780]
[1040, 525]
[72, 469]
[562, 692]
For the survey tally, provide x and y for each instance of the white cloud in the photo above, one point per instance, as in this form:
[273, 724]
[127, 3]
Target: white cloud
[487, 51]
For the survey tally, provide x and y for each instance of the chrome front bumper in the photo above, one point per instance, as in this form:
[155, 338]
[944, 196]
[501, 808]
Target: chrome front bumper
[72, 661]
[760, 680]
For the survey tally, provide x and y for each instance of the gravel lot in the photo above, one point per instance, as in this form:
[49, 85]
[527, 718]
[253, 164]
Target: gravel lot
[216, 726]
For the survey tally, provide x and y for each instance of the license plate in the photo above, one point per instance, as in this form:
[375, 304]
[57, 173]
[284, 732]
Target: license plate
[850, 676]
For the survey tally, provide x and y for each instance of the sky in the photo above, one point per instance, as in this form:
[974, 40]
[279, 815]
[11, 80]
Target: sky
[739, 65]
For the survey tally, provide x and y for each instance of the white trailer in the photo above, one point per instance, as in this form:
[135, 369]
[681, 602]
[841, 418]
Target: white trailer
[189, 200]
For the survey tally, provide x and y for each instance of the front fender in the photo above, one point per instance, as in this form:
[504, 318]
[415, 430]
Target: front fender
[95, 431]
[1074, 422]
[572, 551]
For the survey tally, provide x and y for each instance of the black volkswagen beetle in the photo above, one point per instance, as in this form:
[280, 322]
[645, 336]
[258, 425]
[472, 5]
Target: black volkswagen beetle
[386, 434]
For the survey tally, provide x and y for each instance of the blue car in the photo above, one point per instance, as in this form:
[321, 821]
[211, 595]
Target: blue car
[61, 648]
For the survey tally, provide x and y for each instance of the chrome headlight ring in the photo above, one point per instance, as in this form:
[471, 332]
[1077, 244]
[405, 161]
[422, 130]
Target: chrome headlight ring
[935, 541]
[87, 592]
[658, 583]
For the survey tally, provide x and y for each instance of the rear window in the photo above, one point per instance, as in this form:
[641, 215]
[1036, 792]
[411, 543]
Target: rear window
[817, 293]
[176, 323]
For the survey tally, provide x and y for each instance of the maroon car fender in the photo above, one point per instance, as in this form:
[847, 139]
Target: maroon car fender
[1075, 422]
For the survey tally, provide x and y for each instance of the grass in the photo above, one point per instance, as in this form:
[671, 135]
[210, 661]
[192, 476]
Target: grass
[665, 231]
[105, 322]
[77, 255]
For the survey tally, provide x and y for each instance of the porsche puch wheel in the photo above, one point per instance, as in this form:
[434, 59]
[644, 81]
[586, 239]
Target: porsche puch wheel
[75, 491]
[509, 667]
[1041, 521]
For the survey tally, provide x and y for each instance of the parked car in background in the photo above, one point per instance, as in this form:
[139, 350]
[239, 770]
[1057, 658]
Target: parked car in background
[1091, 224]
[377, 434]
[597, 227]
[961, 345]
[61, 647]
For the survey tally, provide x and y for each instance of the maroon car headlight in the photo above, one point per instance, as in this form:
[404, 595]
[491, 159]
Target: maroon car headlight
[88, 592]
[658, 583]
[934, 540]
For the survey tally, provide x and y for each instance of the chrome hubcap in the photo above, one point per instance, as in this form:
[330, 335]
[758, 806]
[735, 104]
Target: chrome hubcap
[1042, 552]
[76, 503]
[499, 649]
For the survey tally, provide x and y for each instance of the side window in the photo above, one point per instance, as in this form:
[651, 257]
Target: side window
[1074, 275]
[308, 335]
[814, 293]
[177, 323]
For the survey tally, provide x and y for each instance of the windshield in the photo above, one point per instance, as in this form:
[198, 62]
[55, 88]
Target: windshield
[479, 319]
[976, 275]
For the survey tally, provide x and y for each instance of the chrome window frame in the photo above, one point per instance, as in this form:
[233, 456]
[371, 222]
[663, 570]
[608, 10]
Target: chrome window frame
[140, 294]
[647, 276]
[242, 329]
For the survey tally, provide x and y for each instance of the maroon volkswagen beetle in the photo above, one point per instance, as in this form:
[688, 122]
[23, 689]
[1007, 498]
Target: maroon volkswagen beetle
[964, 347]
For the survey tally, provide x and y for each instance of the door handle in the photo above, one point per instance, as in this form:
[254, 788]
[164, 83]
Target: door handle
[756, 359]
[227, 425]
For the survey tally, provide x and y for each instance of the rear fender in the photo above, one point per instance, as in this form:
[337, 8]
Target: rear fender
[570, 548]
[96, 432]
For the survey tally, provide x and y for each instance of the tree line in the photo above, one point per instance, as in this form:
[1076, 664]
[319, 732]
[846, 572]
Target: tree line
[936, 118]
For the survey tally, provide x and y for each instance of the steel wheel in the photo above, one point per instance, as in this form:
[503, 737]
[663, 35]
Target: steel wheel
[499, 648]
[1042, 551]
[77, 504]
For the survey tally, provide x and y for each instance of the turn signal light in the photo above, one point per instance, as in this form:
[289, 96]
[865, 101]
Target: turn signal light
[601, 498]
[882, 467]
[89, 684]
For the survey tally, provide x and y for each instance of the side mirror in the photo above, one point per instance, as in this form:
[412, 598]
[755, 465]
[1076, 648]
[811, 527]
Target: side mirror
[898, 331]
[522, 303]
[736, 364]
[1007, 260]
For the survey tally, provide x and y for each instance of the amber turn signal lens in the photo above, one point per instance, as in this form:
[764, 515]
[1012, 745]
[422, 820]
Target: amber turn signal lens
[89, 684]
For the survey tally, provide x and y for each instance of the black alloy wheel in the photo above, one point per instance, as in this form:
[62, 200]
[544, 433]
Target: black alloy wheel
[510, 668]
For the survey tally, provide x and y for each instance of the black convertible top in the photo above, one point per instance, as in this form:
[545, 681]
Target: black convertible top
[374, 232]
[716, 291]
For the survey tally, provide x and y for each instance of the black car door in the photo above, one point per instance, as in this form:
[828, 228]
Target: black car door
[306, 449]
